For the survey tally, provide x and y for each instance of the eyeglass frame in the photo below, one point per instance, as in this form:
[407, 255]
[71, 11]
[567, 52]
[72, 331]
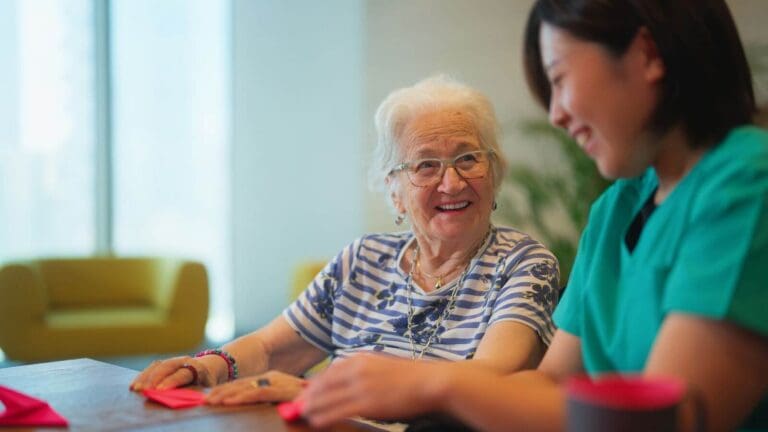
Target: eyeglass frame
[445, 163]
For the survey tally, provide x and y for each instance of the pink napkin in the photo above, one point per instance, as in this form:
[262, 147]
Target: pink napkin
[23, 410]
[176, 398]
[290, 411]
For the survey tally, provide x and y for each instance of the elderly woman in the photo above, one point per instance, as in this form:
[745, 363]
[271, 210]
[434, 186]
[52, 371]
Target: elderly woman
[454, 287]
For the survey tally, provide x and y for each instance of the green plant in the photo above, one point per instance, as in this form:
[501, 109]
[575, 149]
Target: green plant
[569, 190]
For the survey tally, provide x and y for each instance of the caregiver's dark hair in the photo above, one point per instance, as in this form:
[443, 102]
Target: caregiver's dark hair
[707, 84]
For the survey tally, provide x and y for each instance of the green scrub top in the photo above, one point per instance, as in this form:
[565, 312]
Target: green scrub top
[703, 251]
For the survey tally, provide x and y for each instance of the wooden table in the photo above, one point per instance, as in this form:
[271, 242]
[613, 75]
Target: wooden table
[93, 395]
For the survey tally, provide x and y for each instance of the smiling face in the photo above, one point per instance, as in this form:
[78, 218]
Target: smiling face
[455, 210]
[603, 101]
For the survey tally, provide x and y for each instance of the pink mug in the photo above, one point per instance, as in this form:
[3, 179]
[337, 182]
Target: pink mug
[627, 403]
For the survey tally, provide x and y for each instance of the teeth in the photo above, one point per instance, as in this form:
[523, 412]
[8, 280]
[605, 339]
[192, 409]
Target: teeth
[456, 206]
[581, 139]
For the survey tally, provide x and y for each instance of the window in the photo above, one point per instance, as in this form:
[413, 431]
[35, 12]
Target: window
[164, 120]
[47, 175]
[170, 101]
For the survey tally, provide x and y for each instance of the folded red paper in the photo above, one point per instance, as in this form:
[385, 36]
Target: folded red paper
[176, 398]
[24, 410]
[290, 411]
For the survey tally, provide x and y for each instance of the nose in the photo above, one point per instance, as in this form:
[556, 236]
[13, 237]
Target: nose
[451, 183]
[557, 114]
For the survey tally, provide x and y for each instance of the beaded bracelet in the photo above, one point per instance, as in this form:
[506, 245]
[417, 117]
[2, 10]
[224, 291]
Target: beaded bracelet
[231, 363]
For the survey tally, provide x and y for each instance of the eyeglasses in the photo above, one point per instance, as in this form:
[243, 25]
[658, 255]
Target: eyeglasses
[428, 172]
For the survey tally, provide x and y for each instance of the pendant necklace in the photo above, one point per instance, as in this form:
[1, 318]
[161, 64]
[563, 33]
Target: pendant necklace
[438, 278]
[448, 307]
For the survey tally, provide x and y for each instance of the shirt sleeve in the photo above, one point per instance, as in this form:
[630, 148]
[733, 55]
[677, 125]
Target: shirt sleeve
[311, 315]
[720, 268]
[530, 289]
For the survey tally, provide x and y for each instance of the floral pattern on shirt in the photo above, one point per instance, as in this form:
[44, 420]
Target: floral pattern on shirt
[423, 323]
[386, 297]
[324, 304]
[544, 294]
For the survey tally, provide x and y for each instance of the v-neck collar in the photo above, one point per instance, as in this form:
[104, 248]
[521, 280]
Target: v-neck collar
[645, 187]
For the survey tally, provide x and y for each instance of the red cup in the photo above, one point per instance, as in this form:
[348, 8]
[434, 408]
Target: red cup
[626, 403]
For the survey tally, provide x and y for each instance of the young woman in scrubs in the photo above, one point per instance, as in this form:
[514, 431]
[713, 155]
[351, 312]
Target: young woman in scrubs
[671, 275]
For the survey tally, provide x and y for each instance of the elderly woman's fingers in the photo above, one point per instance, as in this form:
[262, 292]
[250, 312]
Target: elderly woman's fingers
[145, 377]
[181, 377]
[231, 391]
[272, 386]
[138, 381]
[160, 371]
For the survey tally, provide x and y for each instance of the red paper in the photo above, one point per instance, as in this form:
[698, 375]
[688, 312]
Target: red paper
[23, 410]
[290, 411]
[176, 398]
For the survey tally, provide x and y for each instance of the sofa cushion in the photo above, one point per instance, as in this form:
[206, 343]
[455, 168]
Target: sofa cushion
[117, 317]
[99, 282]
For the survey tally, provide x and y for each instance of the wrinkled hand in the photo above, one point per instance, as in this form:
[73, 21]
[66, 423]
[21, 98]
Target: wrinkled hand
[170, 373]
[372, 386]
[272, 386]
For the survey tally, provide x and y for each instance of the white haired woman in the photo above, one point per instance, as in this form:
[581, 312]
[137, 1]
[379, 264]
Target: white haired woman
[453, 287]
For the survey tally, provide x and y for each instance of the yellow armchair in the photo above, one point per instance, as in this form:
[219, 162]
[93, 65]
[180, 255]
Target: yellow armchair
[303, 274]
[91, 307]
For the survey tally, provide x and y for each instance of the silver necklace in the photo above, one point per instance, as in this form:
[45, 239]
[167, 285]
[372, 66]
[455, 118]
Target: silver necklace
[447, 311]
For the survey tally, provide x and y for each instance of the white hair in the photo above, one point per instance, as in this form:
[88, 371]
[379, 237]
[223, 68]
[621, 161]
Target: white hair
[436, 93]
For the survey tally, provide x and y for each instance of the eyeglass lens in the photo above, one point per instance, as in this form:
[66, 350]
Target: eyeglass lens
[429, 171]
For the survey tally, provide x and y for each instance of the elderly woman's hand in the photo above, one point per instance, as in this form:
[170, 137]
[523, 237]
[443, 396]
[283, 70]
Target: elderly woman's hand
[272, 386]
[177, 372]
[373, 386]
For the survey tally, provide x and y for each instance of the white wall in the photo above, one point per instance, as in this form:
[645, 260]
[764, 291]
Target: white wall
[477, 42]
[308, 78]
[297, 188]
[752, 19]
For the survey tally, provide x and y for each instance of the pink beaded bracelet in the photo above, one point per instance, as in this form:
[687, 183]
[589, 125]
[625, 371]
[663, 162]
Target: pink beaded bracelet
[231, 363]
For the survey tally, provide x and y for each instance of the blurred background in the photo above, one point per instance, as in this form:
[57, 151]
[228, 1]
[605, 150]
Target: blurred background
[239, 132]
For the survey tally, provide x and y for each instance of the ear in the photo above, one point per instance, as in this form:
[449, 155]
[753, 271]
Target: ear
[398, 202]
[652, 63]
[394, 190]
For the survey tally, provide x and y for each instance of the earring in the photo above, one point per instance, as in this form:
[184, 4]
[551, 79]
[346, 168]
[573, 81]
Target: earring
[494, 206]
[400, 219]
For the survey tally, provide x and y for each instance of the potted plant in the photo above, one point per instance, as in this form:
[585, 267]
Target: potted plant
[532, 196]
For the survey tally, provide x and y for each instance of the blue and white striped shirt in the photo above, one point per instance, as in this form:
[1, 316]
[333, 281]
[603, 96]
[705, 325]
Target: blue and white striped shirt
[359, 301]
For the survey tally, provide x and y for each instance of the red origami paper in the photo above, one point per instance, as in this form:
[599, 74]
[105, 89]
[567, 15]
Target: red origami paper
[23, 410]
[290, 411]
[176, 398]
